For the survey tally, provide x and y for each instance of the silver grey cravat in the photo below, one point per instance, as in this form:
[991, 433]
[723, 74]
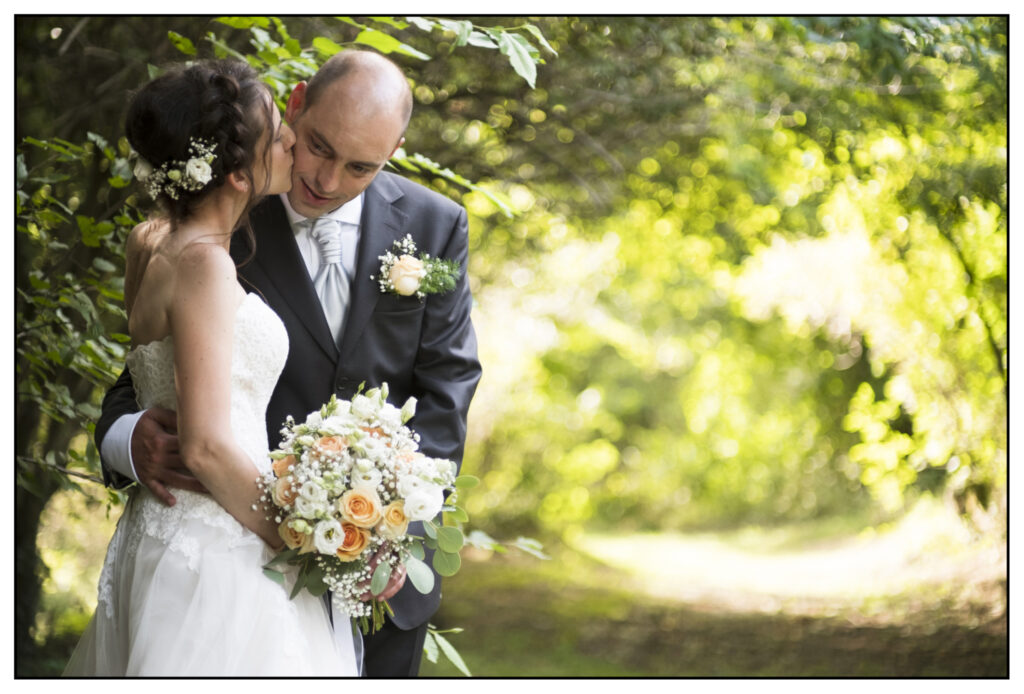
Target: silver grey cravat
[331, 281]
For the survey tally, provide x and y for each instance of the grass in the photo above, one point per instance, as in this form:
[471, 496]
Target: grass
[920, 598]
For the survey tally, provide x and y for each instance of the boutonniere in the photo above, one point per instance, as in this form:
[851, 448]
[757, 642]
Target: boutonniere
[405, 274]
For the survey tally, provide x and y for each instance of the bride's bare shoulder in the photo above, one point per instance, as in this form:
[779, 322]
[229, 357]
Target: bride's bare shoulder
[146, 237]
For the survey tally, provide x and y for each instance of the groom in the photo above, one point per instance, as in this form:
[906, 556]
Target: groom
[348, 121]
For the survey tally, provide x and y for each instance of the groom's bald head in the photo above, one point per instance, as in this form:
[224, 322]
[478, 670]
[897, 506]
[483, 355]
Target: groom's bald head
[371, 81]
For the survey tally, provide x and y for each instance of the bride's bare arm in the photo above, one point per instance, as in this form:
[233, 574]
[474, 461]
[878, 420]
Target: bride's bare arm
[202, 322]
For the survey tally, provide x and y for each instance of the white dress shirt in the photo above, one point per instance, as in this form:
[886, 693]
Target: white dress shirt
[117, 444]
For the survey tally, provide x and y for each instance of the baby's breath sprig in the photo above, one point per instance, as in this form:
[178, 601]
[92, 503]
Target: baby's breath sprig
[404, 274]
[171, 177]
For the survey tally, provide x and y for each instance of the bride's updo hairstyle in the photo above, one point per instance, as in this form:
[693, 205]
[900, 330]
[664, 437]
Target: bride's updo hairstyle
[181, 118]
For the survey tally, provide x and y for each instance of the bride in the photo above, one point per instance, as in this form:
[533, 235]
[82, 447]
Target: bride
[182, 592]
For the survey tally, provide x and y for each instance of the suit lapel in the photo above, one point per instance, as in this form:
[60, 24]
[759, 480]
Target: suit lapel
[381, 225]
[278, 256]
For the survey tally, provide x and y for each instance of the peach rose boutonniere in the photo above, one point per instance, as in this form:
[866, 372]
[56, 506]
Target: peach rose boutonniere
[404, 273]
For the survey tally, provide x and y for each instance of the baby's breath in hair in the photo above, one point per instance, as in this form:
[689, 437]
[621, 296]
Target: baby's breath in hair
[174, 176]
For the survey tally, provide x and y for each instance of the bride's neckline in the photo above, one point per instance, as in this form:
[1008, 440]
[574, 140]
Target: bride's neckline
[166, 339]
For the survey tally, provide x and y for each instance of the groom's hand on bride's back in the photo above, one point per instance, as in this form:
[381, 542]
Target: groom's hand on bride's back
[156, 457]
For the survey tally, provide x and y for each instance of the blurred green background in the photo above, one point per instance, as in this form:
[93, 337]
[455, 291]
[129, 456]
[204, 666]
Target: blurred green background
[744, 332]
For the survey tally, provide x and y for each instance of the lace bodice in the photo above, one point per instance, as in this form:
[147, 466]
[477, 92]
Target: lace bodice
[258, 354]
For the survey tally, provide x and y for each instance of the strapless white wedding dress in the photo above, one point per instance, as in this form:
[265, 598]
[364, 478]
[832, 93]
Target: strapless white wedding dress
[182, 591]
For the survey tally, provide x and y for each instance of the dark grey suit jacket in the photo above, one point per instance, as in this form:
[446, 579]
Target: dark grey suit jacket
[423, 349]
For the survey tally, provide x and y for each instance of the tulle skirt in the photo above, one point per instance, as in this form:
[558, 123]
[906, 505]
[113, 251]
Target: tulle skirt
[195, 602]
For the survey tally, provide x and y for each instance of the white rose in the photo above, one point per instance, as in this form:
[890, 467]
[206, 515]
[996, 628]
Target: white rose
[142, 169]
[328, 536]
[198, 170]
[424, 504]
[406, 274]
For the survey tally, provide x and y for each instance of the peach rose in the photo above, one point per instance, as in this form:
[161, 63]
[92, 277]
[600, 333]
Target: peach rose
[360, 506]
[394, 522]
[354, 543]
[295, 538]
[284, 491]
[406, 274]
[330, 444]
[281, 465]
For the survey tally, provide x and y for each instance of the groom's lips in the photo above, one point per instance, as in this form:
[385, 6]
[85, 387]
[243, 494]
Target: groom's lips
[311, 196]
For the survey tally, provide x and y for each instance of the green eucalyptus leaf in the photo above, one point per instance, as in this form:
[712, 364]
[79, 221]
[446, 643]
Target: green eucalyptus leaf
[419, 574]
[452, 654]
[430, 649]
[449, 539]
[446, 563]
[466, 481]
[274, 575]
[380, 578]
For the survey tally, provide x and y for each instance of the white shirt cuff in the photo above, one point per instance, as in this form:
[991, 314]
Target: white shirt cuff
[116, 449]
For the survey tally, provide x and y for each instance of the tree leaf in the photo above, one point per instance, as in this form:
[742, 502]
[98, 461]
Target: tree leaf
[326, 46]
[385, 43]
[182, 43]
[517, 50]
[540, 37]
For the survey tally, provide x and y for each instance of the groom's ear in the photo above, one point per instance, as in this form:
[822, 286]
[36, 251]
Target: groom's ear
[296, 100]
[401, 142]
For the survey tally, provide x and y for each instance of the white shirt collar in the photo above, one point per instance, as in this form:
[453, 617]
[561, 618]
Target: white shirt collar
[350, 213]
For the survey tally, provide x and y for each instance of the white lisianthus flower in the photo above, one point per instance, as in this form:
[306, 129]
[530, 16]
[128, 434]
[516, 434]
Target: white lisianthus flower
[390, 417]
[374, 448]
[312, 491]
[143, 169]
[363, 407]
[409, 485]
[364, 465]
[424, 504]
[366, 478]
[328, 536]
[199, 170]
[337, 424]
[314, 420]
[306, 507]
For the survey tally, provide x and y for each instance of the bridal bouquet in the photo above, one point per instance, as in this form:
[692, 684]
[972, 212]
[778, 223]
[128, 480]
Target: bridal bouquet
[344, 487]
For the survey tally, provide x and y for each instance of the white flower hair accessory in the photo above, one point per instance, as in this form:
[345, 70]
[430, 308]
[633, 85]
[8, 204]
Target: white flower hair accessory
[174, 176]
[404, 274]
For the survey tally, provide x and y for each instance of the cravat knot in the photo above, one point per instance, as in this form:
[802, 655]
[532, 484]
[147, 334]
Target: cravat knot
[327, 233]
